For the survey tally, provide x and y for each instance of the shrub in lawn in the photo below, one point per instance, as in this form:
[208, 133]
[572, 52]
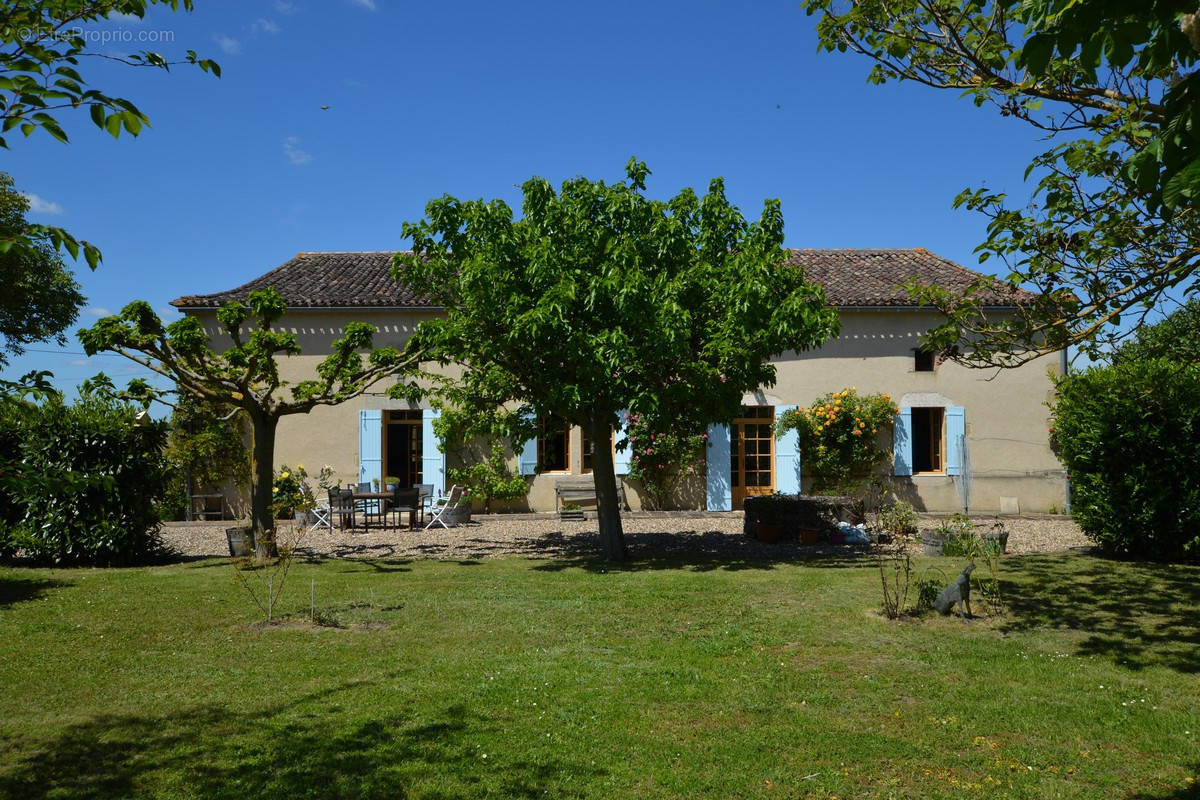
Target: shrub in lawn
[81, 481]
[897, 519]
[1129, 435]
[839, 437]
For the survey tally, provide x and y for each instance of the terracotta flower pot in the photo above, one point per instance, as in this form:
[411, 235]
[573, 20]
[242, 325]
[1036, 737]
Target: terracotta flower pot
[770, 532]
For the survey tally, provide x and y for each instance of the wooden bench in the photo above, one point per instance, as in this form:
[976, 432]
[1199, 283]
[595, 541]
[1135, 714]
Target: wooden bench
[571, 490]
[202, 506]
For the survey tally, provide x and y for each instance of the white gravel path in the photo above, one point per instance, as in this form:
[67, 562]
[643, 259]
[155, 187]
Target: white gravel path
[647, 537]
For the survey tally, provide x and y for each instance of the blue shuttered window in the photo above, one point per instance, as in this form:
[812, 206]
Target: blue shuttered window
[787, 458]
[370, 445]
[718, 484]
[902, 443]
[527, 460]
[433, 460]
[956, 431]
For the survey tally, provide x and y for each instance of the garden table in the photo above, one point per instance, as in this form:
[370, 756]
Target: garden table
[382, 498]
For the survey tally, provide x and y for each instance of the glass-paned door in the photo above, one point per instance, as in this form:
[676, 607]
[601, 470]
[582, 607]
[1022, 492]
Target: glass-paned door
[752, 453]
[402, 446]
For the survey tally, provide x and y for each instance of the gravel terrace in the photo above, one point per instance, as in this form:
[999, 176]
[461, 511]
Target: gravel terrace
[690, 535]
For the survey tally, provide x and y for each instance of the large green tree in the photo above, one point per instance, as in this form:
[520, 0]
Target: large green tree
[1111, 230]
[245, 375]
[41, 298]
[43, 46]
[599, 299]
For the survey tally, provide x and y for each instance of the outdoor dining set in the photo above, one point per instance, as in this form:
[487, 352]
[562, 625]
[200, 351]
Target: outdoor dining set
[361, 506]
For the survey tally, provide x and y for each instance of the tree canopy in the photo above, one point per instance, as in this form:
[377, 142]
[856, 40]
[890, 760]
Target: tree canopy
[246, 374]
[42, 48]
[599, 299]
[1110, 231]
[41, 298]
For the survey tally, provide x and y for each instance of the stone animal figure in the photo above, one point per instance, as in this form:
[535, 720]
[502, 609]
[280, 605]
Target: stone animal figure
[958, 592]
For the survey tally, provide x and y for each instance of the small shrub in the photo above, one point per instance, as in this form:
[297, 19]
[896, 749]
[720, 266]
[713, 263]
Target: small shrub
[898, 519]
[928, 589]
[490, 479]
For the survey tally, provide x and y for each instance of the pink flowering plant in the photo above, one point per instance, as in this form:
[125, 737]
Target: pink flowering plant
[839, 438]
[662, 458]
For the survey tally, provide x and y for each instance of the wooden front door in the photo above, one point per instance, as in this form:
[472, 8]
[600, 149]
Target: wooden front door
[752, 453]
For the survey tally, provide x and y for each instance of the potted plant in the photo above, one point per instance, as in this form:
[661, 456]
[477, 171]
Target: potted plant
[292, 494]
[769, 532]
[996, 539]
[241, 541]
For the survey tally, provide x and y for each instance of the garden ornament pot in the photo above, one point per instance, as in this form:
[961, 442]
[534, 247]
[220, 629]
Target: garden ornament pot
[241, 542]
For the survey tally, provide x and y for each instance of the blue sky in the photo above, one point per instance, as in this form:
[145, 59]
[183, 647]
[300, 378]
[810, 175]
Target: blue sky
[238, 174]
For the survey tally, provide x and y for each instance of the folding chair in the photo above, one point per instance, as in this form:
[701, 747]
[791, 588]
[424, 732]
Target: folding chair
[442, 504]
[323, 517]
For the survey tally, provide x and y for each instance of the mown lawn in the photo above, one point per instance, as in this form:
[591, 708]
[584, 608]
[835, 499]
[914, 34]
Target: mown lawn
[516, 678]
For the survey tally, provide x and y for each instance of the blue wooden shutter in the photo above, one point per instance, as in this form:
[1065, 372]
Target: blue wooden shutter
[719, 491]
[956, 430]
[624, 455]
[902, 443]
[527, 461]
[787, 457]
[370, 445]
[433, 460]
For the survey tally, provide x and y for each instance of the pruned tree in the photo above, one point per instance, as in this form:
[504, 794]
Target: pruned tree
[42, 48]
[246, 374]
[1110, 233]
[599, 299]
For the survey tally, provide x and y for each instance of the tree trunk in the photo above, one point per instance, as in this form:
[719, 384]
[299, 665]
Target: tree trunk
[262, 478]
[612, 538]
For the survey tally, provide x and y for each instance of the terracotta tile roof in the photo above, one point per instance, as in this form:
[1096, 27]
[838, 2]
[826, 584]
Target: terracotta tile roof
[350, 280]
[873, 277]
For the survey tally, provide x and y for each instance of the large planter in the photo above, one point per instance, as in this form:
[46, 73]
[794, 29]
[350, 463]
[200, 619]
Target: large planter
[997, 541]
[933, 543]
[799, 513]
[458, 515]
[241, 542]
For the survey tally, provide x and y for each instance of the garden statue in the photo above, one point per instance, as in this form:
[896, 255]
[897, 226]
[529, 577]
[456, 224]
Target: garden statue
[958, 592]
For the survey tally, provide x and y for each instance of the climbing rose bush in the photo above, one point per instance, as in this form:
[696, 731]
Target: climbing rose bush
[839, 438]
[661, 457]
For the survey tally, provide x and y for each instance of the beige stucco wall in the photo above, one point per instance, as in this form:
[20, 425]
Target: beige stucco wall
[1005, 411]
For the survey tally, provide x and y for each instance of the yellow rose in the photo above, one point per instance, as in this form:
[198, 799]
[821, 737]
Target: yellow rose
[284, 474]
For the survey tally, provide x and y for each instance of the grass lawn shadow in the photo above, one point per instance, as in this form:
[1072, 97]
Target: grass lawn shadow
[699, 551]
[1139, 615]
[300, 748]
[15, 590]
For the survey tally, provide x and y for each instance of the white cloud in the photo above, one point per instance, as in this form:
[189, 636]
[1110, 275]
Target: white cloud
[262, 25]
[291, 149]
[228, 44]
[128, 19]
[79, 362]
[369, 5]
[97, 311]
[40, 205]
[284, 7]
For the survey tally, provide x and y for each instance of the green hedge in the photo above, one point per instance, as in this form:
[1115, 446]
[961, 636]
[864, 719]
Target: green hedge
[1129, 436]
[80, 482]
